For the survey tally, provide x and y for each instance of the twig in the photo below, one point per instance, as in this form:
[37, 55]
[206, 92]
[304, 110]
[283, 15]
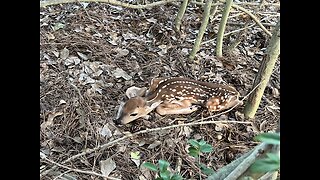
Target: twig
[242, 24]
[62, 175]
[113, 2]
[78, 170]
[254, 18]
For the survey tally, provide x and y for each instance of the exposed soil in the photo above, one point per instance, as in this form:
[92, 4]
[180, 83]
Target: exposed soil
[82, 49]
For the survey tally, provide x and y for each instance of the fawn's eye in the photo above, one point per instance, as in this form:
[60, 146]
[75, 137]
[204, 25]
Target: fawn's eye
[133, 114]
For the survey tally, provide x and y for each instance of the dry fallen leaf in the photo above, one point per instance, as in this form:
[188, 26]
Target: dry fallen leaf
[82, 56]
[49, 121]
[107, 166]
[62, 102]
[154, 144]
[85, 79]
[64, 53]
[105, 131]
[122, 52]
[50, 36]
[275, 92]
[118, 73]
[153, 20]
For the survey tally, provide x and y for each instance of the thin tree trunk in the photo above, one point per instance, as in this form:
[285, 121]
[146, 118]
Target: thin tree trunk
[222, 27]
[202, 29]
[180, 14]
[264, 73]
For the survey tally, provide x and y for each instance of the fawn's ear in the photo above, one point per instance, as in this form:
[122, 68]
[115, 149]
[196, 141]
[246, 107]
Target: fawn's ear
[135, 91]
[154, 105]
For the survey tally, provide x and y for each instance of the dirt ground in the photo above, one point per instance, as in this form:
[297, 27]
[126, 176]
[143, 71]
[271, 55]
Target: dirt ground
[91, 53]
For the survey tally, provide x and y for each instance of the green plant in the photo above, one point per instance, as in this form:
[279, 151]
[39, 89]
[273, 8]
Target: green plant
[163, 172]
[272, 160]
[195, 150]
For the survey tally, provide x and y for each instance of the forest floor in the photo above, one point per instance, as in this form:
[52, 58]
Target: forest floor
[91, 53]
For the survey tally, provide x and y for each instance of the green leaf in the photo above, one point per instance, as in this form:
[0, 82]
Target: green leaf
[206, 148]
[194, 152]
[270, 138]
[266, 164]
[206, 170]
[194, 143]
[163, 165]
[165, 175]
[135, 155]
[150, 166]
[202, 142]
[158, 178]
[176, 177]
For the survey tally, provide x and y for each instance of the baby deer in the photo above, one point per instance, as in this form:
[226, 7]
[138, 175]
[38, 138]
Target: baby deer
[178, 96]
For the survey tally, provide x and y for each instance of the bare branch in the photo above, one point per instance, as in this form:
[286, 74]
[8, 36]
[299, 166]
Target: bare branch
[253, 18]
[78, 170]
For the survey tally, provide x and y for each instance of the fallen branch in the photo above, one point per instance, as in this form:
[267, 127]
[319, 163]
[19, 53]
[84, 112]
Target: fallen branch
[78, 170]
[113, 2]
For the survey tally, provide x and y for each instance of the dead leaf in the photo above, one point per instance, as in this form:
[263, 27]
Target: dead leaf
[163, 51]
[153, 20]
[85, 79]
[221, 126]
[121, 52]
[56, 53]
[275, 92]
[84, 4]
[105, 131]
[186, 131]
[113, 38]
[49, 121]
[82, 56]
[128, 35]
[263, 125]
[50, 36]
[58, 26]
[62, 102]
[78, 139]
[118, 73]
[185, 51]
[96, 88]
[72, 60]
[64, 53]
[120, 109]
[107, 166]
[154, 144]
